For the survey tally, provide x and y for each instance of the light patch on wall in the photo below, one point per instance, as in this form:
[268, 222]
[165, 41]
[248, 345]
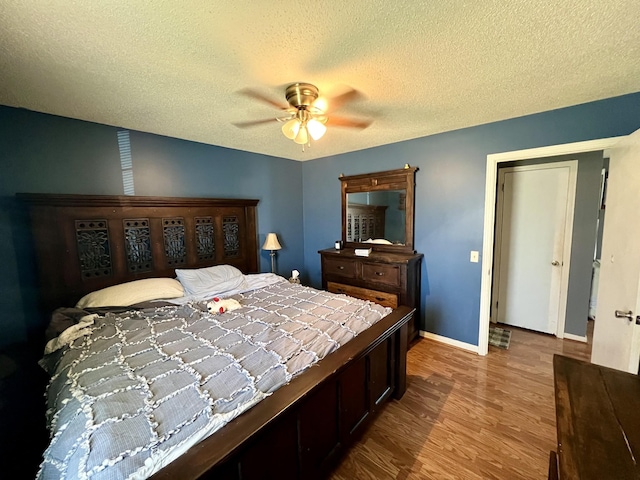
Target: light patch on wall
[126, 163]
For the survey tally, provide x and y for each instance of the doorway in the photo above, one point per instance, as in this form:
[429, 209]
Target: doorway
[616, 337]
[534, 225]
[501, 159]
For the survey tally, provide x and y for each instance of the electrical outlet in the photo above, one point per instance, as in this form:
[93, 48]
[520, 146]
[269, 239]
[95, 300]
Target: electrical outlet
[473, 258]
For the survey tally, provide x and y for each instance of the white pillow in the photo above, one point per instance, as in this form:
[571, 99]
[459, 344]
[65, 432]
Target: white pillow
[220, 278]
[126, 294]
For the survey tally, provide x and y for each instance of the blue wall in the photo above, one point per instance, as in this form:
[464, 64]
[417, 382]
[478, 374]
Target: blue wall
[48, 154]
[450, 193]
[298, 201]
[583, 243]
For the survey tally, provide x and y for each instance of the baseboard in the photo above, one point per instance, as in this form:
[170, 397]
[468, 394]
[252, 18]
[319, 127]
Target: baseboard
[576, 338]
[449, 341]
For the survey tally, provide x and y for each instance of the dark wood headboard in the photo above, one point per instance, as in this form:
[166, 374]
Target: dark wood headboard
[88, 242]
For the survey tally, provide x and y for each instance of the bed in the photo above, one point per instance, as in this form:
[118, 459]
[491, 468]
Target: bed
[303, 410]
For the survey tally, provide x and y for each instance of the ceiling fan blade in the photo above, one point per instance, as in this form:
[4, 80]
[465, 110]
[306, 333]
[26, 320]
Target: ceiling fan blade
[334, 121]
[334, 103]
[254, 123]
[260, 97]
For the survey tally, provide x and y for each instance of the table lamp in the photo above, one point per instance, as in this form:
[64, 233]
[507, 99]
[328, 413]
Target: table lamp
[271, 243]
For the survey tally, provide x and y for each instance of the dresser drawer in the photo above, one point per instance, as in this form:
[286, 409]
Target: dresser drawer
[343, 267]
[380, 273]
[389, 279]
[382, 298]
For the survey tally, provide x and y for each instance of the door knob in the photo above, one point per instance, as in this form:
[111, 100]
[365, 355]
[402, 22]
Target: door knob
[555, 263]
[628, 315]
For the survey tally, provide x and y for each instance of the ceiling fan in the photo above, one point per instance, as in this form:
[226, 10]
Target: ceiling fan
[307, 114]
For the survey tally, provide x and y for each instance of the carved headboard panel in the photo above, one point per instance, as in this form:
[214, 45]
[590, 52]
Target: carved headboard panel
[88, 242]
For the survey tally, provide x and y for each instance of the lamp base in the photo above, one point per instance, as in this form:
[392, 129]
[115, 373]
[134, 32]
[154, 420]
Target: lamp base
[273, 261]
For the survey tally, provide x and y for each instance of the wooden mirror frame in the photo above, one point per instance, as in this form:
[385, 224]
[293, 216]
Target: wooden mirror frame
[400, 179]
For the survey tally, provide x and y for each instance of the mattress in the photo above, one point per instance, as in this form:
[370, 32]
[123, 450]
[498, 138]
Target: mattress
[141, 386]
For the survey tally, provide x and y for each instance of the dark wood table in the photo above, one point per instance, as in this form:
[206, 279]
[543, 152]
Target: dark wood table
[598, 421]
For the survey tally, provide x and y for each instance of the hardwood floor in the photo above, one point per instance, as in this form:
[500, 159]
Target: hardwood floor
[468, 417]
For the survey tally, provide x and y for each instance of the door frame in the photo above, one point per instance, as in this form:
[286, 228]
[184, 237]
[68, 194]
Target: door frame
[490, 213]
[561, 303]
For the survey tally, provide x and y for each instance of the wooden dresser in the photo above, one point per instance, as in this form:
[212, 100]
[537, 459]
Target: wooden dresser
[598, 422]
[390, 279]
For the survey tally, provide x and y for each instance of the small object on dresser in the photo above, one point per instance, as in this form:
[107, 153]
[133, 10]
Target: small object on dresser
[338, 245]
[295, 276]
[363, 252]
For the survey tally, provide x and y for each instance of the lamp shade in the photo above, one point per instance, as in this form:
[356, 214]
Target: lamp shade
[291, 128]
[302, 137]
[271, 242]
[316, 129]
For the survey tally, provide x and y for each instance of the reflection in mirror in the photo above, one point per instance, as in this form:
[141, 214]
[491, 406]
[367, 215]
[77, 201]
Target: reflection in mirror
[377, 210]
[377, 217]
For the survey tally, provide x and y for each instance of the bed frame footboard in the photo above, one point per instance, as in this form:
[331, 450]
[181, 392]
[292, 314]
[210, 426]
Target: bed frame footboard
[302, 430]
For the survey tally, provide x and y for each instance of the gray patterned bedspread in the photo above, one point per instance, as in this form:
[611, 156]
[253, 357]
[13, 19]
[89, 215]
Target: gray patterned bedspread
[144, 386]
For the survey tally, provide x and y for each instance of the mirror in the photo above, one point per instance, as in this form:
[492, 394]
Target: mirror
[378, 216]
[377, 210]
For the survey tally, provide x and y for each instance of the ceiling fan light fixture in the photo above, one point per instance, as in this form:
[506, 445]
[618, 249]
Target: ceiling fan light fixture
[302, 137]
[316, 129]
[291, 128]
[320, 104]
[306, 113]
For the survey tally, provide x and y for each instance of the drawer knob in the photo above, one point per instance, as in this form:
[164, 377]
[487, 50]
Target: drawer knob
[380, 274]
[380, 299]
[340, 267]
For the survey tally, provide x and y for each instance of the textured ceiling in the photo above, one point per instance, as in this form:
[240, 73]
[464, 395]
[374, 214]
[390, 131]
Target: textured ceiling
[175, 68]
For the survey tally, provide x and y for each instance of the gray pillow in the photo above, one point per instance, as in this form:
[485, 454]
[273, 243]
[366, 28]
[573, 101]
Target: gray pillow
[220, 278]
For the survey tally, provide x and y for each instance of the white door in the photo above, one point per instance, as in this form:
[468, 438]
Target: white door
[533, 245]
[616, 340]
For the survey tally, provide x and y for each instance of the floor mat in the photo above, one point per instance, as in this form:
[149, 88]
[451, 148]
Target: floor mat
[499, 337]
